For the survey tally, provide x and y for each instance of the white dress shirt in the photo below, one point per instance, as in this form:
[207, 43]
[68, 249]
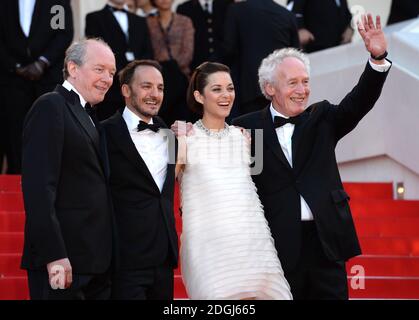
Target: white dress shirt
[152, 147]
[26, 8]
[70, 87]
[285, 132]
[202, 2]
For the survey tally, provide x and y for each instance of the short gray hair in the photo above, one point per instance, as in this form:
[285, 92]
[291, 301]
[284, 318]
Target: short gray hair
[76, 52]
[269, 65]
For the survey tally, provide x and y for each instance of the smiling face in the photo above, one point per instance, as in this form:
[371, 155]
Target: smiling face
[95, 76]
[144, 95]
[291, 89]
[218, 95]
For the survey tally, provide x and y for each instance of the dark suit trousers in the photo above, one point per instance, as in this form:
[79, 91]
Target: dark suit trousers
[316, 277]
[21, 94]
[83, 287]
[153, 283]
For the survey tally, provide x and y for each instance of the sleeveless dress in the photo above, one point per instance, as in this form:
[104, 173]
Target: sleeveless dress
[227, 251]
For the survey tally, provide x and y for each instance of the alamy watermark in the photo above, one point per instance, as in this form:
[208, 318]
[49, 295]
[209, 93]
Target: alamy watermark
[357, 277]
[58, 19]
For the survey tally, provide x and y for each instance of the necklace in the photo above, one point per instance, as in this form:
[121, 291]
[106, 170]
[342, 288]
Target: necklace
[213, 133]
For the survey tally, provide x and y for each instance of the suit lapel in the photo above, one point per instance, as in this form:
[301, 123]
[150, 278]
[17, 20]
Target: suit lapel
[121, 135]
[115, 24]
[170, 173]
[270, 137]
[81, 116]
[14, 12]
[37, 11]
[297, 136]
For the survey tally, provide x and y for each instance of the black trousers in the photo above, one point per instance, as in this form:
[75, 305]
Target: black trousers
[83, 287]
[21, 94]
[153, 283]
[316, 277]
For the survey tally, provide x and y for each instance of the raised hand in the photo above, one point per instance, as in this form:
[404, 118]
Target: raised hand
[373, 35]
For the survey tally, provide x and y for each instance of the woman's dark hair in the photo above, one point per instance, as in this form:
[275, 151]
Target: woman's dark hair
[199, 80]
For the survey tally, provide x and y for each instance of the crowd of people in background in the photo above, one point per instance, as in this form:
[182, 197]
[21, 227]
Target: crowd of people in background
[237, 33]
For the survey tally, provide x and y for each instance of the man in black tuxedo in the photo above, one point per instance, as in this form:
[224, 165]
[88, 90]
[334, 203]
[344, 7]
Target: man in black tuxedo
[68, 230]
[403, 10]
[299, 186]
[208, 20]
[32, 47]
[322, 24]
[127, 34]
[142, 184]
[253, 29]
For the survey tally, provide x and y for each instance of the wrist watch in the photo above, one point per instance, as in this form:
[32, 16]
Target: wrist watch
[380, 57]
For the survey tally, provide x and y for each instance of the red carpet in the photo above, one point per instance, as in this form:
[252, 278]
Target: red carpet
[388, 231]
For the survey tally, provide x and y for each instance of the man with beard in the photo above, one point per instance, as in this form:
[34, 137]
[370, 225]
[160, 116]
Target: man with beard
[142, 186]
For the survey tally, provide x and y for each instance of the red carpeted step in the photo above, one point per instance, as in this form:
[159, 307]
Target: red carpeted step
[180, 291]
[14, 288]
[12, 221]
[381, 208]
[390, 246]
[386, 288]
[10, 183]
[11, 242]
[390, 266]
[10, 265]
[11, 201]
[387, 226]
[370, 190]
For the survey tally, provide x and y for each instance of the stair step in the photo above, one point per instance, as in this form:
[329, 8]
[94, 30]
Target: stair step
[11, 201]
[389, 266]
[10, 183]
[11, 242]
[14, 288]
[390, 246]
[10, 265]
[384, 208]
[387, 226]
[386, 288]
[369, 190]
[180, 291]
[12, 222]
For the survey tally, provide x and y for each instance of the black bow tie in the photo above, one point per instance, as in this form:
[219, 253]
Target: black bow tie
[92, 114]
[113, 9]
[144, 125]
[280, 121]
[89, 109]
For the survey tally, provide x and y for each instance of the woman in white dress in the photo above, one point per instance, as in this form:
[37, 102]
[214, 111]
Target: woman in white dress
[227, 251]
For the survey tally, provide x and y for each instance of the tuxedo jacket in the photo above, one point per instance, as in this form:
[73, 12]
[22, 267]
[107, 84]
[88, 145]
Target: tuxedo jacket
[253, 30]
[145, 224]
[314, 174]
[64, 181]
[205, 30]
[324, 19]
[16, 48]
